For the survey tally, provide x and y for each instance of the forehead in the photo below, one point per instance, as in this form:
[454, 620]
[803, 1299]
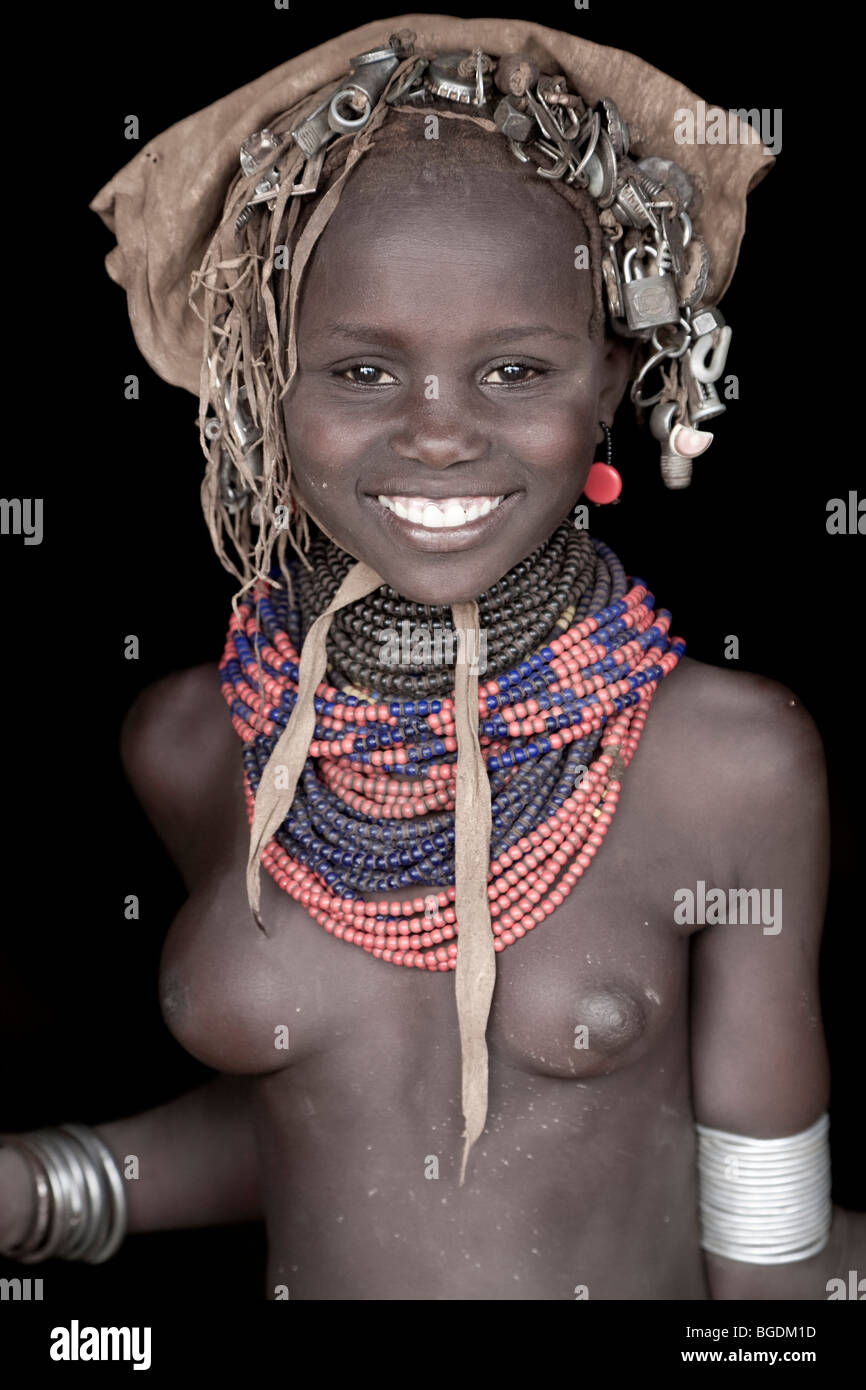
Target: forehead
[437, 227]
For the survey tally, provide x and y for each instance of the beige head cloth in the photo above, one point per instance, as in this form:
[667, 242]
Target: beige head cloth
[164, 207]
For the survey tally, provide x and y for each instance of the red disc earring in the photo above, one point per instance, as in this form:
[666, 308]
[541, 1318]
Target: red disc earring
[603, 483]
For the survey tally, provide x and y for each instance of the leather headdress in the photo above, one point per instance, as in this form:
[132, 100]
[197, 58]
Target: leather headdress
[164, 205]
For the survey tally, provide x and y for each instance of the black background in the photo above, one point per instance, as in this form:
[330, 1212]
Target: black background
[744, 551]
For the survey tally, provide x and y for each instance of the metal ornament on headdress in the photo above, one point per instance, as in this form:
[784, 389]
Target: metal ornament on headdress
[234, 492]
[654, 269]
[345, 111]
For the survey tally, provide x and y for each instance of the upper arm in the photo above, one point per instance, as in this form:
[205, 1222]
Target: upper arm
[759, 1059]
[176, 744]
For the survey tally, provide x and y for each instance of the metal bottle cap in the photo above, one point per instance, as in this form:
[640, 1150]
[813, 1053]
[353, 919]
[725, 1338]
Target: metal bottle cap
[443, 81]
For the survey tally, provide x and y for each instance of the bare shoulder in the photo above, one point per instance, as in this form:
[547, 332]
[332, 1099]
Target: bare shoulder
[746, 724]
[176, 745]
[735, 752]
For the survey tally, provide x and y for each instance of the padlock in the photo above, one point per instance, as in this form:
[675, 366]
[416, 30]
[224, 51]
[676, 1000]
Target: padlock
[648, 300]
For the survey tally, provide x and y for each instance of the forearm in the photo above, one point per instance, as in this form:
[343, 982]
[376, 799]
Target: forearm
[190, 1162]
[802, 1279]
[196, 1159]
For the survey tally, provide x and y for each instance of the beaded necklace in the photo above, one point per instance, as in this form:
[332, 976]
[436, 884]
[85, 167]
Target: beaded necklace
[373, 811]
[517, 614]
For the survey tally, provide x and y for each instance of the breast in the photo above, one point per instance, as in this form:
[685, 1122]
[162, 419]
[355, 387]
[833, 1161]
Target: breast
[581, 996]
[228, 993]
[589, 991]
[592, 998]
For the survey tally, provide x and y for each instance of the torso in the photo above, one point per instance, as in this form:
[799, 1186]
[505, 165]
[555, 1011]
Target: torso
[584, 1179]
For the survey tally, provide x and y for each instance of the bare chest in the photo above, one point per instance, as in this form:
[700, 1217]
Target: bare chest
[590, 990]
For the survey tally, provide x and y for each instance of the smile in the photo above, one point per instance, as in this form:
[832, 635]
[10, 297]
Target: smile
[435, 513]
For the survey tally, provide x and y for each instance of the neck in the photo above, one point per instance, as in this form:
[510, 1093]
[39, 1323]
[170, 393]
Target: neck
[400, 649]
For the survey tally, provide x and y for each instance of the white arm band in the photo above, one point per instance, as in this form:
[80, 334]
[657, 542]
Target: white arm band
[765, 1201]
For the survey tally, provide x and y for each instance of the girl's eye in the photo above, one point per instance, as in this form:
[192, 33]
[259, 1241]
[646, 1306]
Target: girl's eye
[367, 375]
[510, 372]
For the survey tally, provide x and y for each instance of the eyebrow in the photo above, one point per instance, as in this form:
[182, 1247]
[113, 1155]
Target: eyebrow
[369, 333]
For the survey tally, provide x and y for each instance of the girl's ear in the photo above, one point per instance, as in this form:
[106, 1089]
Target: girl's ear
[616, 371]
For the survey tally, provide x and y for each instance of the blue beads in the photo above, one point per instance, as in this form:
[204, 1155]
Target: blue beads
[352, 853]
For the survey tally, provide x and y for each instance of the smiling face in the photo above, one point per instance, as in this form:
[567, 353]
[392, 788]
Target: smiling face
[444, 414]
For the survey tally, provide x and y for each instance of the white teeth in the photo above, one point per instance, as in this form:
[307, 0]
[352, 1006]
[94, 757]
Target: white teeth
[441, 511]
[454, 514]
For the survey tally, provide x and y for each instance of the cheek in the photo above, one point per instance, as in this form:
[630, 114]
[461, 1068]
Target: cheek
[311, 434]
[323, 447]
[555, 435]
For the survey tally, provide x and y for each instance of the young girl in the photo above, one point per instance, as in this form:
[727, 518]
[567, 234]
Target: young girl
[450, 724]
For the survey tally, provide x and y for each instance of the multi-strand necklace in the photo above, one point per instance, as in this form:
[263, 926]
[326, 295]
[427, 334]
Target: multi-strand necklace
[577, 652]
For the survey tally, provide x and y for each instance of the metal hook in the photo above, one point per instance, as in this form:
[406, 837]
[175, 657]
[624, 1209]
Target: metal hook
[670, 351]
[573, 121]
[705, 371]
[550, 128]
[402, 85]
[647, 367]
[560, 161]
[577, 174]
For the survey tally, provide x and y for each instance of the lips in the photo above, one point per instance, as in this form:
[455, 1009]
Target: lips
[442, 525]
[438, 513]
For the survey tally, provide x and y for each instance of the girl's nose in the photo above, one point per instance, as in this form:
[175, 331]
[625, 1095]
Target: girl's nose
[440, 431]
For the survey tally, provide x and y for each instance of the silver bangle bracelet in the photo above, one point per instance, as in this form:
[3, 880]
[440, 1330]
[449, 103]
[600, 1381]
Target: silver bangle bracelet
[765, 1201]
[58, 1211]
[113, 1230]
[80, 1201]
[37, 1232]
[75, 1218]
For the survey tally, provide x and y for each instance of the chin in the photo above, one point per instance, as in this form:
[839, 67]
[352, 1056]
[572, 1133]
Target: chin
[437, 592]
[439, 595]
[440, 580]
[439, 567]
